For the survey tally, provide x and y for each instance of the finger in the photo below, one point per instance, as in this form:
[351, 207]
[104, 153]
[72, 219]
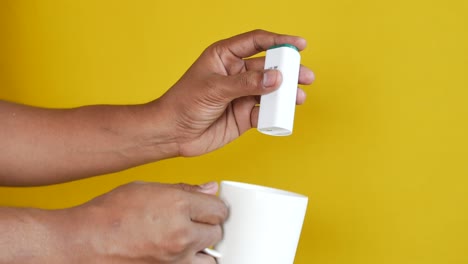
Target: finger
[306, 76]
[207, 209]
[255, 64]
[254, 116]
[206, 235]
[249, 83]
[253, 42]
[300, 96]
[204, 207]
[202, 258]
[243, 112]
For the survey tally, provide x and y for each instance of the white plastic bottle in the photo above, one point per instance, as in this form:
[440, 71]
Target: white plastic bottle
[276, 117]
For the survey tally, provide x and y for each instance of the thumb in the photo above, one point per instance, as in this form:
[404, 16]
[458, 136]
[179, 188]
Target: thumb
[208, 188]
[252, 83]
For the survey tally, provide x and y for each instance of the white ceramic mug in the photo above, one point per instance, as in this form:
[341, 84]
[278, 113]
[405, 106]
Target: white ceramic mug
[264, 224]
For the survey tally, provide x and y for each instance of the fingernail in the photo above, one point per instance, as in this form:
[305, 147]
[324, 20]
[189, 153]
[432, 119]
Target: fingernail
[208, 185]
[209, 188]
[269, 78]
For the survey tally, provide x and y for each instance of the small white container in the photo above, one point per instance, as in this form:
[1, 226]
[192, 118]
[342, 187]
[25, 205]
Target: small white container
[276, 117]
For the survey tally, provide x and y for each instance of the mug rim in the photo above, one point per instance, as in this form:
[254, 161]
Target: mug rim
[266, 189]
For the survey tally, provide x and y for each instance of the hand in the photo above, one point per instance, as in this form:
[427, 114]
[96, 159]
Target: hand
[215, 101]
[152, 223]
[212, 104]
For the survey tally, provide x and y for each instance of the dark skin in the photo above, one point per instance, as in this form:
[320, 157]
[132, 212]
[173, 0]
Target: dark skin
[212, 104]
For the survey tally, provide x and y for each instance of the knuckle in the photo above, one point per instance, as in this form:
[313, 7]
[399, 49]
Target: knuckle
[215, 92]
[212, 84]
[179, 241]
[185, 187]
[258, 31]
[251, 81]
[137, 183]
[181, 202]
[219, 214]
[216, 47]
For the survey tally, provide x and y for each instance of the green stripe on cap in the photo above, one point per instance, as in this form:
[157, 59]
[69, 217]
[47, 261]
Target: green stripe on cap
[284, 45]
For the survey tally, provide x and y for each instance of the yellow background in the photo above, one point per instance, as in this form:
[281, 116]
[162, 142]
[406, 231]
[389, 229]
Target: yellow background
[380, 147]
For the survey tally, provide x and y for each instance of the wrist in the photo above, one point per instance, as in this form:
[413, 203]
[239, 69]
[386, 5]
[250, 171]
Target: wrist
[70, 239]
[157, 137]
[142, 134]
[95, 229]
[32, 235]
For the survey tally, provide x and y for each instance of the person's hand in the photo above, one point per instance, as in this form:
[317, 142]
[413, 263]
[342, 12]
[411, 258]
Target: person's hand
[151, 223]
[216, 100]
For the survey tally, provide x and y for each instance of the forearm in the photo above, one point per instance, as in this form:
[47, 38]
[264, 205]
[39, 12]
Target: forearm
[43, 146]
[37, 236]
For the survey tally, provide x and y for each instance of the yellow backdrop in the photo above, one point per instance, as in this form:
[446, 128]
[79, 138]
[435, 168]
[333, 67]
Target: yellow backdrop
[380, 147]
